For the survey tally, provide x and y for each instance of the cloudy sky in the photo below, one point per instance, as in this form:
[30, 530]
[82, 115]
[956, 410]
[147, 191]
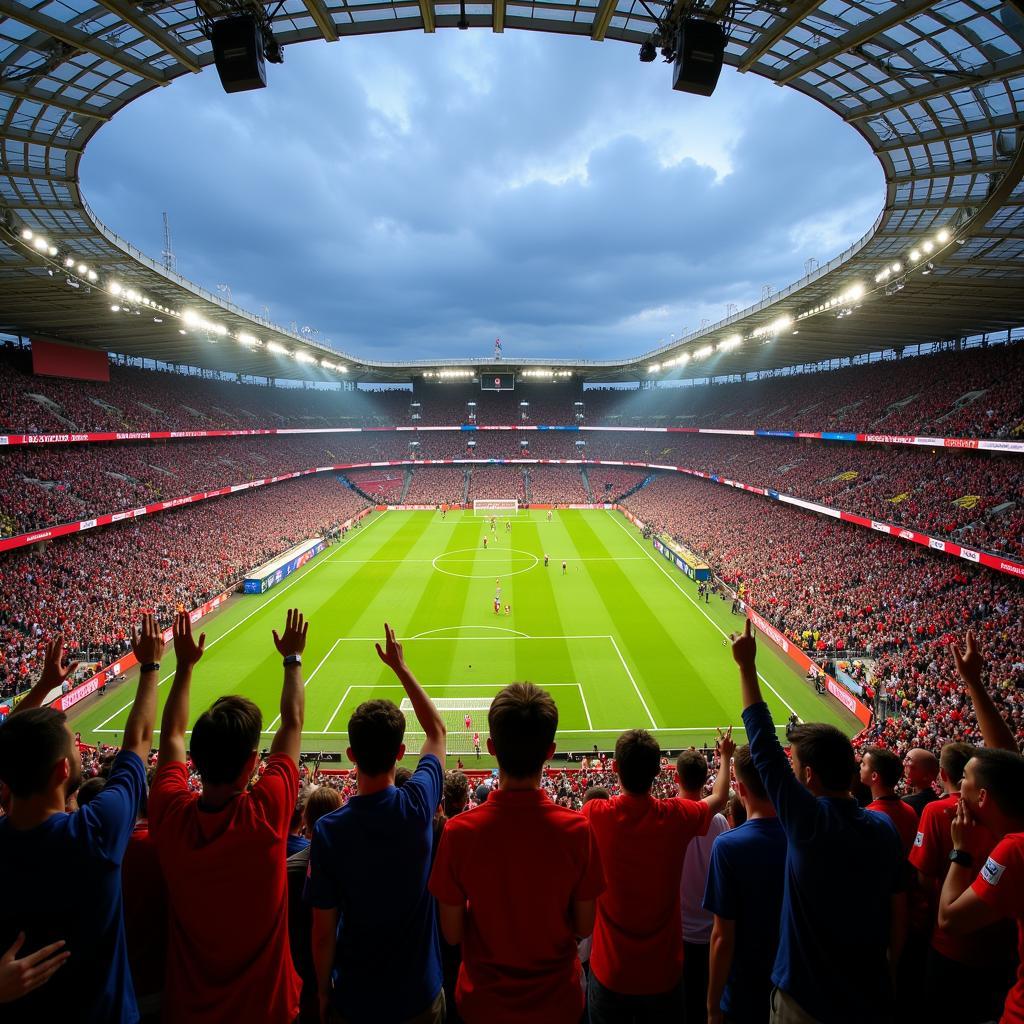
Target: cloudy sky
[412, 195]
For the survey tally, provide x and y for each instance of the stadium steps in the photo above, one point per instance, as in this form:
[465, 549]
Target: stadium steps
[353, 486]
[55, 410]
[466, 477]
[527, 486]
[406, 484]
[586, 483]
[895, 407]
[636, 487]
[964, 400]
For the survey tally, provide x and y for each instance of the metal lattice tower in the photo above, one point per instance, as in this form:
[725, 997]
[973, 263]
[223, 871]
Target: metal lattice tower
[170, 261]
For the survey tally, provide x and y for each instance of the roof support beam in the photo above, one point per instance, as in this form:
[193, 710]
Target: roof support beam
[41, 139]
[80, 40]
[498, 15]
[863, 32]
[955, 131]
[33, 94]
[602, 20]
[939, 87]
[33, 173]
[322, 16]
[153, 32]
[778, 28]
[950, 171]
[427, 14]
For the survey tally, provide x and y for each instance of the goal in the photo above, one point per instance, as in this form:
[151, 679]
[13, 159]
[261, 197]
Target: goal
[454, 711]
[495, 506]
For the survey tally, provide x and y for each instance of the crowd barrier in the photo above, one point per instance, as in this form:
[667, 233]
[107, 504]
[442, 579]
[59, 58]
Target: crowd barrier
[989, 444]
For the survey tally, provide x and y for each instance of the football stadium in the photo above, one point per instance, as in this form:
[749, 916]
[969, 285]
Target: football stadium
[499, 650]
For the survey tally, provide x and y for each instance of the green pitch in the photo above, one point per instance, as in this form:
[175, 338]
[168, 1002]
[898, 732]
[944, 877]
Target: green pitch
[619, 639]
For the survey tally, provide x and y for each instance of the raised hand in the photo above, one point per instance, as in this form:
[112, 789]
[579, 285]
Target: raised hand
[293, 640]
[961, 828]
[148, 643]
[969, 662]
[744, 646]
[726, 744]
[55, 671]
[18, 977]
[186, 651]
[392, 655]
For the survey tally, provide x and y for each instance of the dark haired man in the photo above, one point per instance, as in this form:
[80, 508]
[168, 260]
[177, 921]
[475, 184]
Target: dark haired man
[375, 938]
[968, 960]
[517, 877]
[223, 850]
[636, 963]
[881, 771]
[828, 837]
[88, 980]
[744, 893]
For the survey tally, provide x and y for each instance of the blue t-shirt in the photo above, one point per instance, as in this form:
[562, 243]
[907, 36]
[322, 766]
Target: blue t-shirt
[745, 879]
[371, 860]
[295, 843]
[843, 864]
[64, 882]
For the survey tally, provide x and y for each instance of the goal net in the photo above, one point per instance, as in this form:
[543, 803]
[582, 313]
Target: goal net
[454, 711]
[495, 506]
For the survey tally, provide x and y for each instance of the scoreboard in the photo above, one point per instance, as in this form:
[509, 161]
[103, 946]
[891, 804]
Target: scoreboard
[497, 381]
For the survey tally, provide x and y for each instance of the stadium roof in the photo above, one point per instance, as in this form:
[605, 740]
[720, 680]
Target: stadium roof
[936, 89]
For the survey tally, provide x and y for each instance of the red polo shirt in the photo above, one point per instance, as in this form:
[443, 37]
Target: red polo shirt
[228, 958]
[902, 815]
[638, 943]
[517, 863]
[1000, 884]
[930, 855]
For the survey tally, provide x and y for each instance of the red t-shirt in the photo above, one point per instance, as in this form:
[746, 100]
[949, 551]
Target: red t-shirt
[930, 855]
[228, 957]
[1000, 884]
[638, 944]
[518, 862]
[145, 912]
[902, 815]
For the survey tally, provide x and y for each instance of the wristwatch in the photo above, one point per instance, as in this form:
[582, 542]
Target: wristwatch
[151, 666]
[961, 857]
[293, 659]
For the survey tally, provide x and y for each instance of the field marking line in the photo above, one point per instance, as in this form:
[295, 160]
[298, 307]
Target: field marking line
[525, 636]
[459, 686]
[217, 640]
[330, 721]
[448, 629]
[583, 697]
[675, 583]
[385, 561]
[306, 682]
[654, 725]
[562, 732]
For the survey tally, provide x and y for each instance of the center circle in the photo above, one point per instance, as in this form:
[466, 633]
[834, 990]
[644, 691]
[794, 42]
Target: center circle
[483, 558]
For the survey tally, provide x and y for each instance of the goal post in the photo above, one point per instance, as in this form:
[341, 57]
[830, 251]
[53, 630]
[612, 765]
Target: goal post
[454, 712]
[495, 506]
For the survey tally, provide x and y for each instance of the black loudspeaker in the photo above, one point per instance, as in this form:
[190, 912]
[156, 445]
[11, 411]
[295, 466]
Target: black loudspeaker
[700, 51]
[238, 53]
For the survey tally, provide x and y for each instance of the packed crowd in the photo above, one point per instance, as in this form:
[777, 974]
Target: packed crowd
[212, 883]
[835, 590]
[88, 585]
[975, 498]
[970, 393]
[557, 485]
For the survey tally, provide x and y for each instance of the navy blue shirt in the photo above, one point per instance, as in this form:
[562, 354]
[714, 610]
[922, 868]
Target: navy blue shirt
[745, 879]
[64, 882]
[295, 844]
[371, 860]
[842, 867]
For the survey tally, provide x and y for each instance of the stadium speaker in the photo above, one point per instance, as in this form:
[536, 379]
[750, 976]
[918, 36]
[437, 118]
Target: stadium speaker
[238, 53]
[700, 51]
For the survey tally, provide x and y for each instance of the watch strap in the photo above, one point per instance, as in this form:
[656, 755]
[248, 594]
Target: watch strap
[293, 659]
[151, 666]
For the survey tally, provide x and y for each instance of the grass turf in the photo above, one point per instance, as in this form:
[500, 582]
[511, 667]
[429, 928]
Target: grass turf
[619, 638]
